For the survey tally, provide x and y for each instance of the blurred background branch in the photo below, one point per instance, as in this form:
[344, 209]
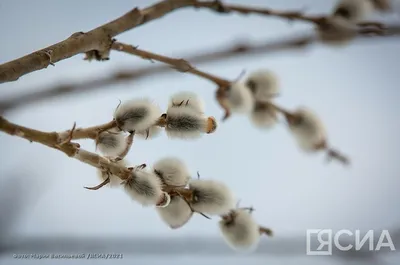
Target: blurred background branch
[245, 48]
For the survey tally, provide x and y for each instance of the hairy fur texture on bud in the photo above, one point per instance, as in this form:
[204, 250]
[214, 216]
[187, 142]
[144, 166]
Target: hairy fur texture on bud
[172, 171]
[115, 181]
[187, 99]
[240, 99]
[264, 116]
[144, 187]
[240, 231]
[150, 133]
[211, 197]
[336, 31]
[176, 214]
[187, 123]
[111, 143]
[308, 129]
[263, 84]
[353, 10]
[136, 115]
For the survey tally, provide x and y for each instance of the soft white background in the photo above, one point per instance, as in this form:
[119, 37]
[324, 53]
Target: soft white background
[354, 89]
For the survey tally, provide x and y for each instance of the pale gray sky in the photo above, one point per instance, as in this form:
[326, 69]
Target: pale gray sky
[354, 89]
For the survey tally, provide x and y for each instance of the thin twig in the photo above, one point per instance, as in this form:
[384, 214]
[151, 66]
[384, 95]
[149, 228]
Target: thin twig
[178, 64]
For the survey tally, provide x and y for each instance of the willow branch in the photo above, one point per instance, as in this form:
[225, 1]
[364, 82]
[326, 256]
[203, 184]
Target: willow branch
[98, 39]
[239, 50]
[89, 132]
[180, 65]
[73, 150]
[123, 75]
[96, 43]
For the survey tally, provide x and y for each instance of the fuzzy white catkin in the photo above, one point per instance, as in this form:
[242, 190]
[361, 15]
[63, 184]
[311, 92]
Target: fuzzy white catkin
[187, 99]
[111, 143]
[137, 115]
[263, 84]
[310, 132]
[176, 214]
[337, 31]
[115, 181]
[353, 10]
[151, 133]
[172, 171]
[264, 117]
[144, 187]
[242, 233]
[185, 123]
[211, 197]
[240, 99]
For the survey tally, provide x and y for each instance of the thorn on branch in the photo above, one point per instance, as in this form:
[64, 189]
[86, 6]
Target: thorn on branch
[105, 182]
[333, 154]
[69, 136]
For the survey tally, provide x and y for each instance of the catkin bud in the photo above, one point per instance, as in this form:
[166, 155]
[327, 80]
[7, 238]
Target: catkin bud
[336, 31]
[264, 115]
[307, 129]
[211, 197]
[115, 181]
[176, 214]
[239, 230]
[187, 123]
[111, 143]
[187, 99]
[239, 98]
[172, 171]
[353, 10]
[263, 84]
[144, 187]
[136, 115]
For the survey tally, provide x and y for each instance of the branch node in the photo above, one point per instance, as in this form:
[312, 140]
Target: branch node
[48, 54]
